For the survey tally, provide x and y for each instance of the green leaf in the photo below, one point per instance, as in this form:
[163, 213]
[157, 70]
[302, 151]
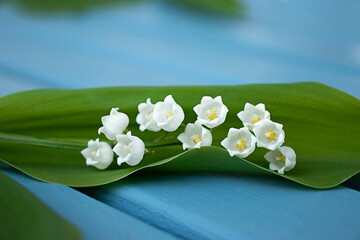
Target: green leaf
[42, 132]
[54, 6]
[24, 216]
[219, 7]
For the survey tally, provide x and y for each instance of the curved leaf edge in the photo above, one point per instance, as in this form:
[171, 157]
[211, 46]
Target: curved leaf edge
[167, 160]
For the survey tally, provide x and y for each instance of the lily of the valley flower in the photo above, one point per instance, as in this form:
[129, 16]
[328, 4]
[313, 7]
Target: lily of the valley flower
[269, 135]
[114, 124]
[253, 116]
[195, 136]
[168, 114]
[239, 142]
[145, 118]
[98, 154]
[211, 112]
[130, 149]
[281, 159]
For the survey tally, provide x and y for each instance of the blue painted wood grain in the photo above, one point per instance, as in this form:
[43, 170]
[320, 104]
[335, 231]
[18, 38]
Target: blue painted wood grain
[10, 83]
[96, 220]
[153, 44]
[236, 207]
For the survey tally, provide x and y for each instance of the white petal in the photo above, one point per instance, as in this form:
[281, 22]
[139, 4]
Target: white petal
[290, 155]
[233, 153]
[114, 111]
[206, 137]
[281, 170]
[160, 111]
[142, 128]
[288, 152]
[137, 149]
[248, 107]
[218, 99]
[106, 156]
[225, 143]
[90, 161]
[103, 156]
[273, 166]
[267, 115]
[86, 152]
[169, 99]
[240, 115]
[152, 126]
[271, 156]
[142, 107]
[121, 160]
[114, 124]
[197, 108]
[233, 131]
[205, 99]
[185, 140]
[260, 107]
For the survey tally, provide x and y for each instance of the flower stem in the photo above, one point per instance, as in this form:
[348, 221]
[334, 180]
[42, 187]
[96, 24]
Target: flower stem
[161, 137]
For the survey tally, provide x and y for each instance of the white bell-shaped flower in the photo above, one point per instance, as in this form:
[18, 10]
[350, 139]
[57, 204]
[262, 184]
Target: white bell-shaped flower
[145, 118]
[211, 112]
[168, 114]
[195, 136]
[281, 159]
[98, 154]
[114, 124]
[130, 149]
[239, 142]
[269, 135]
[253, 116]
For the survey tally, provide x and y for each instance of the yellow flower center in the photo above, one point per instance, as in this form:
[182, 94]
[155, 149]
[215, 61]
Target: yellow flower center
[281, 158]
[127, 147]
[196, 139]
[169, 114]
[241, 145]
[271, 136]
[256, 119]
[150, 116]
[212, 114]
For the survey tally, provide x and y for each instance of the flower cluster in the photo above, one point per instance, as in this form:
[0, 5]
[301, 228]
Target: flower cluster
[130, 149]
[211, 112]
[167, 115]
[268, 134]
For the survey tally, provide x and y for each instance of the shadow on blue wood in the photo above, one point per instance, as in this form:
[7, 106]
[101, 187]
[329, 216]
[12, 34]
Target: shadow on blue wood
[353, 182]
[235, 207]
[95, 219]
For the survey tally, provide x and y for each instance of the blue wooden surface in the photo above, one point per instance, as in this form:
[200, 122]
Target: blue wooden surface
[153, 43]
[96, 220]
[236, 207]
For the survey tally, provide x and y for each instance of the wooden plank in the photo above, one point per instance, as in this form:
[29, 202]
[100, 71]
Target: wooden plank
[155, 44]
[152, 41]
[235, 207]
[11, 83]
[95, 219]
